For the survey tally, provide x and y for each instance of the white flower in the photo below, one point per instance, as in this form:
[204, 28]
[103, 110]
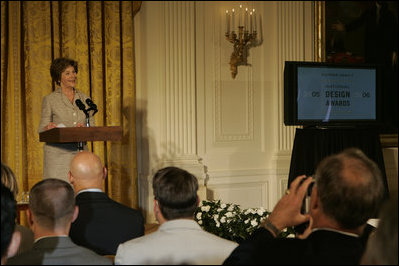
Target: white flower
[205, 208]
[291, 236]
[218, 217]
[254, 222]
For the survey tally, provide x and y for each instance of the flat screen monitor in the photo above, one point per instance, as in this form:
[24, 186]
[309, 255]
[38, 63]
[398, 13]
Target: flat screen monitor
[328, 94]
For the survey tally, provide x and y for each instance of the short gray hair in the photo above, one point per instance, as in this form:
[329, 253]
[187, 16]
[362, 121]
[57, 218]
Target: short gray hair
[350, 187]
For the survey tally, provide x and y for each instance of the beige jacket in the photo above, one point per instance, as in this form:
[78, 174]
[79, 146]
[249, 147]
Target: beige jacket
[176, 242]
[57, 108]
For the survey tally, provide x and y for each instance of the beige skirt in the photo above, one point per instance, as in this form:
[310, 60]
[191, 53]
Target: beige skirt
[56, 159]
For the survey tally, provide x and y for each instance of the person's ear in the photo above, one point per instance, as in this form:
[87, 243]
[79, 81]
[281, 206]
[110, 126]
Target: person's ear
[75, 213]
[105, 172]
[29, 216]
[158, 213]
[156, 206]
[14, 244]
[70, 177]
[314, 200]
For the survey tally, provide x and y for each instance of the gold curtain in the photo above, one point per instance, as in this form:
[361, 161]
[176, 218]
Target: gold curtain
[100, 36]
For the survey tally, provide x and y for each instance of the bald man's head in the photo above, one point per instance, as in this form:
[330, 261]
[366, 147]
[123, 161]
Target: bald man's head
[86, 171]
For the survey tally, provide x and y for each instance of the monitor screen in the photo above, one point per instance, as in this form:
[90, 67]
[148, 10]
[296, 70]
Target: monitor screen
[330, 94]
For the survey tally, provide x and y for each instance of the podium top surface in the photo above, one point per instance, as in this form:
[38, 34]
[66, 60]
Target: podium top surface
[77, 134]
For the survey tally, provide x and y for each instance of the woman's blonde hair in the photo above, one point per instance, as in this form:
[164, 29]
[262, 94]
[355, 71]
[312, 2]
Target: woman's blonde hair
[8, 179]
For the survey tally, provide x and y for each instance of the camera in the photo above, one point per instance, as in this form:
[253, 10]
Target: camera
[299, 229]
[306, 200]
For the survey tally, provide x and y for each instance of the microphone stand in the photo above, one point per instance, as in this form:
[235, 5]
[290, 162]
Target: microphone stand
[82, 107]
[80, 143]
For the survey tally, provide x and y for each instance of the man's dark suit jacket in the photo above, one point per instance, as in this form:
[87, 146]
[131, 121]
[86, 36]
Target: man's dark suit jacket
[103, 223]
[321, 247]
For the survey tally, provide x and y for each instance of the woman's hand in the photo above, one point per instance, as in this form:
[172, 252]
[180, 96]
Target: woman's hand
[79, 125]
[50, 125]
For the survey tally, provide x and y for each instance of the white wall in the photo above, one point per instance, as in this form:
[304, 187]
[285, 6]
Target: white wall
[190, 111]
[241, 136]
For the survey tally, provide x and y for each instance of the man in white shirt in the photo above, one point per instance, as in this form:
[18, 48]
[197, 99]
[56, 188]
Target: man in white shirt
[179, 239]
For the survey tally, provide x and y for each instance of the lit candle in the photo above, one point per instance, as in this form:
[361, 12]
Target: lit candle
[239, 16]
[254, 19]
[250, 22]
[227, 22]
[232, 19]
[246, 19]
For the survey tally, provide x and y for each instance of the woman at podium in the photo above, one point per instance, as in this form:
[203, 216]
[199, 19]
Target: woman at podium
[62, 108]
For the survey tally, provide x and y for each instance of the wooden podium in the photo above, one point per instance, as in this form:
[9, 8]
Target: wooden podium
[81, 134]
[77, 134]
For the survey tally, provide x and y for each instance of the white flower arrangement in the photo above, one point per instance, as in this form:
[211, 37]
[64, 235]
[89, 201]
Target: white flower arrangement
[228, 221]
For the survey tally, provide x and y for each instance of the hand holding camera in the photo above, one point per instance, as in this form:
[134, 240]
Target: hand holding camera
[301, 228]
[287, 211]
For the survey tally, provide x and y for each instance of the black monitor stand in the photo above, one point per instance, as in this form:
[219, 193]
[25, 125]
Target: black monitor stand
[312, 144]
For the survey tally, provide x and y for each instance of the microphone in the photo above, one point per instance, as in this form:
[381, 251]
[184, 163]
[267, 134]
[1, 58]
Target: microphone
[92, 105]
[82, 107]
[80, 104]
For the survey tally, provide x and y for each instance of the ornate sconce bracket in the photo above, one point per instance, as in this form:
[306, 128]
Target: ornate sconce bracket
[246, 38]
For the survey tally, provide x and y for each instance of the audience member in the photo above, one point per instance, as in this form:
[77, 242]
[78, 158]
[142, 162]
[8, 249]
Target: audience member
[9, 237]
[179, 239]
[97, 212]
[51, 212]
[9, 180]
[347, 192]
[382, 246]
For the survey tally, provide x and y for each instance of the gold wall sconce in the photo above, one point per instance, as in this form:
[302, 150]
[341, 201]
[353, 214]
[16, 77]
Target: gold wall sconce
[246, 38]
